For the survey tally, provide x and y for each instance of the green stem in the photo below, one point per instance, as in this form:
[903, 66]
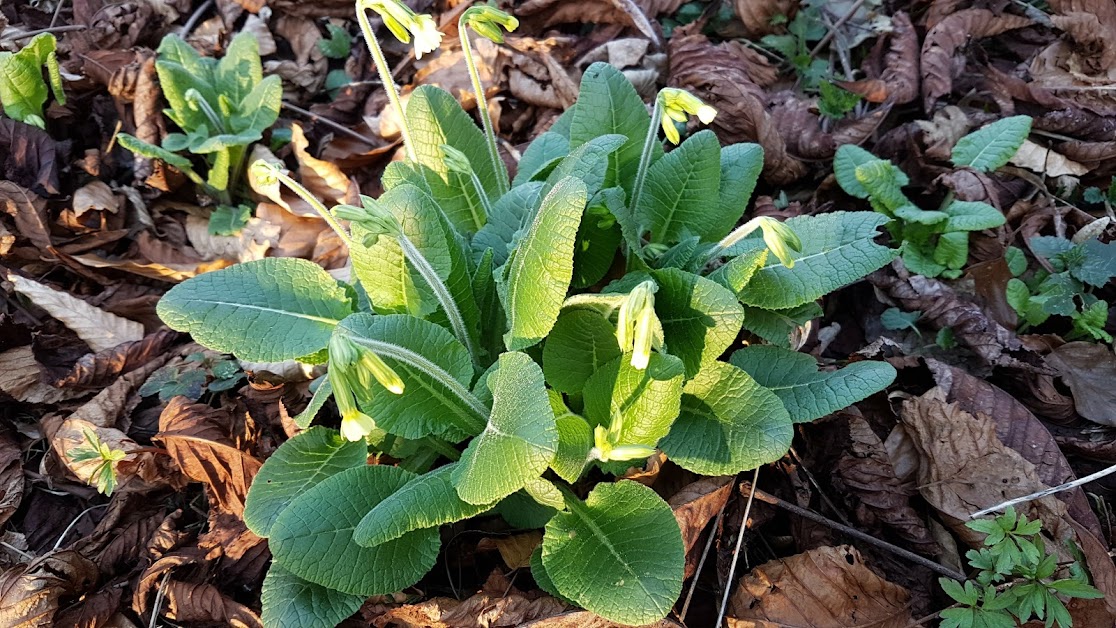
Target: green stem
[416, 258]
[645, 156]
[305, 195]
[442, 447]
[385, 77]
[486, 204]
[482, 107]
[200, 103]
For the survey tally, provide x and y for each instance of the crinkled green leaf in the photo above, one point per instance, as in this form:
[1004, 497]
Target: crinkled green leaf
[266, 310]
[260, 107]
[884, 183]
[23, 92]
[838, 248]
[313, 537]
[520, 439]
[806, 392]
[606, 104]
[848, 158]
[321, 394]
[729, 423]
[911, 213]
[299, 464]
[339, 43]
[700, 318]
[508, 221]
[972, 216]
[291, 602]
[1098, 263]
[522, 512]
[151, 151]
[618, 554]
[740, 169]
[240, 71]
[539, 274]
[738, 271]
[544, 152]
[228, 219]
[993, 145]
[952, 249]
[175, 79]
[427, 501]
[587, 162]
[639, 405]
[436, 373]
[575, 439]
[680, 195]
[581, 342]
[780, 327]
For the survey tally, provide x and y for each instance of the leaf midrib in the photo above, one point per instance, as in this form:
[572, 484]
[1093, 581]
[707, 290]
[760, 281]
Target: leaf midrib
[247, 306]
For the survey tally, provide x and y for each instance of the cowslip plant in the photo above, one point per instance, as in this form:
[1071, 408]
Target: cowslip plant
[1014, 580]
[1067, 289]
[502, 351]
[934, 242]
[23, 92]
[221, 107]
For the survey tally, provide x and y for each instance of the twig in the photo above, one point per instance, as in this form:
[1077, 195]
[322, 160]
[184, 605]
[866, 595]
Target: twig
[821, 493]
[66, 28]
[1047, 491]
[704, 555]
[74, 522]
[57, 12]
[330, 123]
[159, 599]
[860, 536]
[194, 18]
[836, 25]
[736, 552]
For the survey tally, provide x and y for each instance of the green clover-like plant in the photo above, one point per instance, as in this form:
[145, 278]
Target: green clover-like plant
[23, 92]
[481, 345]
[103, 475]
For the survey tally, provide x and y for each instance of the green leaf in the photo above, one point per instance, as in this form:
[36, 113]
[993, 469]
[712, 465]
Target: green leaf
[607, 104]
[738, 271]
[895, 319]
[884, 183]
[539, 274]
[587, 162]
[580, 343]
[538, 572]
[849, 157]
[239, 71]
[151, 151]
[1098, 264]
[299, 464]
[575, 439]
[508, 222]
[806, 392]
[952, 250]
[435, 118]
[22, 89]
[436, 373]
[544, 152]
[780, 327]
[910, 213]
[229, 220]
[992, 146]
[292, 602]
[619, 554]
[638, 406]
[838, 248]
[339, 43]
[700, 318]
[741, 165]
[729, 423]
[972, 216]
[520, 439]
[321, 394]
[522, 512]
[313, 537]
[427, 501]
[266, 310]
[680, 195]
[259, 109]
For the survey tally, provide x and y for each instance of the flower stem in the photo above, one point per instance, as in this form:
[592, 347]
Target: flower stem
[645, 156]
[305, 195]
[416, 258]
[386, 78]
[482, 108]
[486, 204]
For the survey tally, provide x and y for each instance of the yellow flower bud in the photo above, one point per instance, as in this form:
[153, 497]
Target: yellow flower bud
[486, 21]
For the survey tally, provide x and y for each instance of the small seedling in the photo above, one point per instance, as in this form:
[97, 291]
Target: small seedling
[103, 475]
[192, 379]
[23, 92]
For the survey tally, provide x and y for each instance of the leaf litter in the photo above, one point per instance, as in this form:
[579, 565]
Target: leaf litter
[987, 407]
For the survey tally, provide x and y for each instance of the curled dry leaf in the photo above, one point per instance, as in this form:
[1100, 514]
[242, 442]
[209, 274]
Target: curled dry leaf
[950, 34]
[898, 83]
[1045, 161]
[95, 196]
[244, 557]
[497, 604]
[537, 74]
[31, 158]
[29, 212]
[205, 453]
[93, 611]
[550, 12]
[1017, 428]
[827, 587]
[758, 15]
[21, 378]
[324, 180]
[514, 550]
[201, 602]
[97, 369]
[98, 328]
[585, 619]
[29, 593]
[71, 436]
[11, 476]
[1090, 370]
[252, 243]
[695, 505]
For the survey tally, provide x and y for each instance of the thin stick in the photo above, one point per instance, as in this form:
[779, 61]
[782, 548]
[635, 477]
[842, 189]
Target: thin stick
[159, 599]
[860, 536]
[701, 563]
[66, 28]
[838, 24]
[736, 552]
[330, 123]
[1047, 491]
[57, 12]
[194, 18]
[74, 522]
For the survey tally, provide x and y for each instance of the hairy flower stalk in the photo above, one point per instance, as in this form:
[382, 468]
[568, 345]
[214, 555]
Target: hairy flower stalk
[269, 175]
[381, 222]
[637, 327]
[671, 105]
[458, 162]
[403, 23]
[351, 371]
[778, 237]
[487, 22]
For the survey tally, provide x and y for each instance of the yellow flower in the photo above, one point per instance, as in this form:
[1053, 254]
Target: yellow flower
[604, 451]
[637, 327]
[355, 425]
[405, 23]
[351, 371]
[677, 106]
[486, 21]
[778, 237]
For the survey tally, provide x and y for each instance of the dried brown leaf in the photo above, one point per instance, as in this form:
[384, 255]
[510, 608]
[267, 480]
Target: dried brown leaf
[497, 604]
[244, 557]
[92, 611]
[1045, 161]
[11, 476]
[694, 507]
[827, 587]
[757, 15]
[201, 602]
[203, 450]
[948, 36]
[21, 378]
[550, 12]
[29, 212]
[30, 157]
[96, 196]
[514, 550]
[324, 180]
[1090, 371]
[97, 369]
[898, 83]
[29, 593]
[585, 619]
[252, 243]
[98, 328]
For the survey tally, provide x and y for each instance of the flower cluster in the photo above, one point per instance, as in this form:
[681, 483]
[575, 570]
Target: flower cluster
[678, 105]
[404, 23]
[637, 327]
[351, 371]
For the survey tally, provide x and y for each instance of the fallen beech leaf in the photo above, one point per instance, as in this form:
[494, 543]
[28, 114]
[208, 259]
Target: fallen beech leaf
[93, 611]
[758, 15]
[30, 157]
[626, 12]
[1045, 161]
[21, 378]
[98, 328]
[29, 593]
[11, 477]
[95, 196]
[1090, 371]
[243, 556]
[828, 587]
[324, 180]
[97, 369]
[29, 212]
[940, 133]
[205, 453]
[964, 467]
[1017, 428]
[71, 436]
[514, 550]
[585, 619]
[201, 602]
[497, 604]
[252, 243]
[899, 81]
[950, 34]
[695, 505]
